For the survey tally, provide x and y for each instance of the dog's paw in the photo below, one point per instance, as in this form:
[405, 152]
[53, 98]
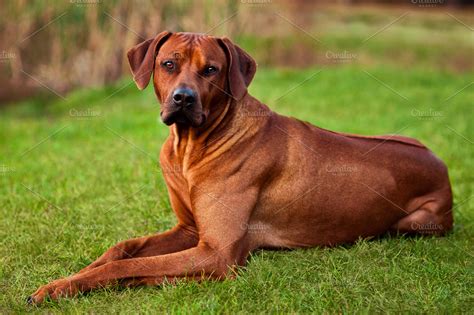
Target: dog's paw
[55, 290]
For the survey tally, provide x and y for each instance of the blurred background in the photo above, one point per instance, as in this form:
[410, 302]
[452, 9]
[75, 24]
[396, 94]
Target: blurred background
[51, 47]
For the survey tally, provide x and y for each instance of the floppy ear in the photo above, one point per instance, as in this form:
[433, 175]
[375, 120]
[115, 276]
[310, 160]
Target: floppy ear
[142, 58]
[241, 68]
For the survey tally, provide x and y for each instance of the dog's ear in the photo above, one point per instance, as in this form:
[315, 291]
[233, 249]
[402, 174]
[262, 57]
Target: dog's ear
[142, 58]
[241, 68]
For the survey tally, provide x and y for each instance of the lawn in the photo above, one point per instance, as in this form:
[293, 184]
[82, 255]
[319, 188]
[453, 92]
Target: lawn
[80, 174]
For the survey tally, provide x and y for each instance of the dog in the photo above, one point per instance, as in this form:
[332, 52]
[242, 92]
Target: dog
[245, 177]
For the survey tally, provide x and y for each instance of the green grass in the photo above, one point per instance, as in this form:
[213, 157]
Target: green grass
[65, 200]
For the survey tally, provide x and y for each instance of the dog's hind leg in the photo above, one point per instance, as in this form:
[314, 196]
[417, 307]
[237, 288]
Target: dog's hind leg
[434, 215]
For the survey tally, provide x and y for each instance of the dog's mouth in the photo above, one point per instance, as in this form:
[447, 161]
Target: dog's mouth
[183, 117]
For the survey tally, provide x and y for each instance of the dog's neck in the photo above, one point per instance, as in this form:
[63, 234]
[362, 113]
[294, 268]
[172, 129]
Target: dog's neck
[202, 133]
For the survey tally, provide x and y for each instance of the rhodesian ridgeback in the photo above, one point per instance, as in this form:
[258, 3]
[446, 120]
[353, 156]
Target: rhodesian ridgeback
[244, 177]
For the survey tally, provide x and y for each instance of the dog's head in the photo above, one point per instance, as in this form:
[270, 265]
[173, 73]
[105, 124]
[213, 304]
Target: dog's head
[192, 74]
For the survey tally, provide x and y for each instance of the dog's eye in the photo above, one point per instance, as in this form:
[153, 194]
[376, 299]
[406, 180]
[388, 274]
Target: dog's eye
[209, 70]
[169, 65]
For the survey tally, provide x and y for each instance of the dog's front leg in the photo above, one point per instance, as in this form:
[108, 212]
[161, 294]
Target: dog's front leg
[198, 261]
[177, 239]
[221, 219]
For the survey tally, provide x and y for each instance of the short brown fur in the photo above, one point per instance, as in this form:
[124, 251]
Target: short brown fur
[245, 177]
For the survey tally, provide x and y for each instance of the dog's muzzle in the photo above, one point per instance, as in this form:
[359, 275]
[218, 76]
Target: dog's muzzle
[183, 107]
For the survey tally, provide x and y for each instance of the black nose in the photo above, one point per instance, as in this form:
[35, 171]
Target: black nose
[184, 97]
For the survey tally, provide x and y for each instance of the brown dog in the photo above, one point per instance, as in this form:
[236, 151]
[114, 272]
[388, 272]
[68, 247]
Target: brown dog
[245, 177]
